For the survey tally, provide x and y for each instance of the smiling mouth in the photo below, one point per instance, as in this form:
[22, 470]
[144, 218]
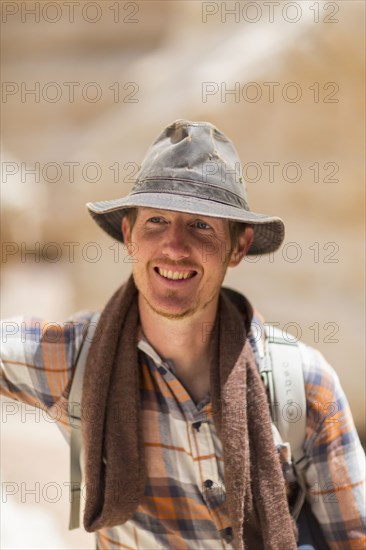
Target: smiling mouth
[175, 275]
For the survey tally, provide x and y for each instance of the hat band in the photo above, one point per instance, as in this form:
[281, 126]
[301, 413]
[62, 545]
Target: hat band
[176, 186]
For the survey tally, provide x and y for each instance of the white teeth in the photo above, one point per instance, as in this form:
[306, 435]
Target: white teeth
[174, 275]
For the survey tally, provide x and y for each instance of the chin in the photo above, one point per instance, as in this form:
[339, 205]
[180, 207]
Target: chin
[171, 312]
[176, 316]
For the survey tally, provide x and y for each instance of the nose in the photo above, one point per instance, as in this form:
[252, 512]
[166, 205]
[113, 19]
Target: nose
[176, 242]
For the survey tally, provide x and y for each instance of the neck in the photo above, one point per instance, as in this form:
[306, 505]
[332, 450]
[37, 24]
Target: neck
[185, 341]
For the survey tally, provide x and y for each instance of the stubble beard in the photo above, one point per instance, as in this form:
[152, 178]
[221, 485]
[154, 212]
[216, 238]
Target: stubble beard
[173, 316]
[185, 314]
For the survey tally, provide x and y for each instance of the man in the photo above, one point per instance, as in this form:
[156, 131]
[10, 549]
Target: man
[178, 445]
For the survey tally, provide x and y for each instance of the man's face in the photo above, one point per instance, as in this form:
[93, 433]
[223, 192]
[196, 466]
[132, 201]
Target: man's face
[180, 260]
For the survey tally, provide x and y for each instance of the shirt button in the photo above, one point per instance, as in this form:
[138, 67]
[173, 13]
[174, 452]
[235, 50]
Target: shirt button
[196, 425]
[162, 370]
[208, 483]
[228, 534]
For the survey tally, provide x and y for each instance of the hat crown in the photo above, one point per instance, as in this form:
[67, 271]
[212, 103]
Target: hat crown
[195, 152]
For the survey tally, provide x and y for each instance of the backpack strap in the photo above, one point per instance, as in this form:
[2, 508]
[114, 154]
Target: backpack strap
[281, 367]
[74, 412]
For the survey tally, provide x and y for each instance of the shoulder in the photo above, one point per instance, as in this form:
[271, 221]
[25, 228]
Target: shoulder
[32, 325]
[329, 420]
[34, 341]
[329, 417]
[319, 376]
[325, 398]
[324, 392]
[38, 356]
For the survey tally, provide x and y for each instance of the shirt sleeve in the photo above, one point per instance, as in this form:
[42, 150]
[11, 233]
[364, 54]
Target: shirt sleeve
[336, 473]
[38, 360]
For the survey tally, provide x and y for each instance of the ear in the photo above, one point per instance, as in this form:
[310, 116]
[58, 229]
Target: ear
[126, 231]
[244, 241]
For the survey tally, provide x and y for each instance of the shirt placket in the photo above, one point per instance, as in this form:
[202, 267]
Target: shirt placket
[210, 471]
[206, 451]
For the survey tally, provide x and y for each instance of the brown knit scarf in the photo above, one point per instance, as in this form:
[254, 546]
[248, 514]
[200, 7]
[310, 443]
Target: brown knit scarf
[115, 470]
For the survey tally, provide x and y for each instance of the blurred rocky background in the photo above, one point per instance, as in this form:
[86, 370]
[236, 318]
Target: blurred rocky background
[88, 85]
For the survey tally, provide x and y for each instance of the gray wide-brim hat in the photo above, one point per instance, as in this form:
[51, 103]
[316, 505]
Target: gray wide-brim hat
[194, 168]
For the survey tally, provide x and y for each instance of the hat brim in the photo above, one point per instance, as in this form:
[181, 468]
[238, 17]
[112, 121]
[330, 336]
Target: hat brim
[269, 231]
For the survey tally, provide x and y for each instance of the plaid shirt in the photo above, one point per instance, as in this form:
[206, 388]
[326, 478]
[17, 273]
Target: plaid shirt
[184, 500]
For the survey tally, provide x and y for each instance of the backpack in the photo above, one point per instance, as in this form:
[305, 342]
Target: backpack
[281, 362]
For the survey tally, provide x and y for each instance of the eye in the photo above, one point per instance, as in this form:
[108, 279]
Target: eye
[155, 219]
[199, 224]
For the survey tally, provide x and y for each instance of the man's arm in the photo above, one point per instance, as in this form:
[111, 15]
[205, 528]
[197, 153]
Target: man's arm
[38, 360]
[336, 475]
